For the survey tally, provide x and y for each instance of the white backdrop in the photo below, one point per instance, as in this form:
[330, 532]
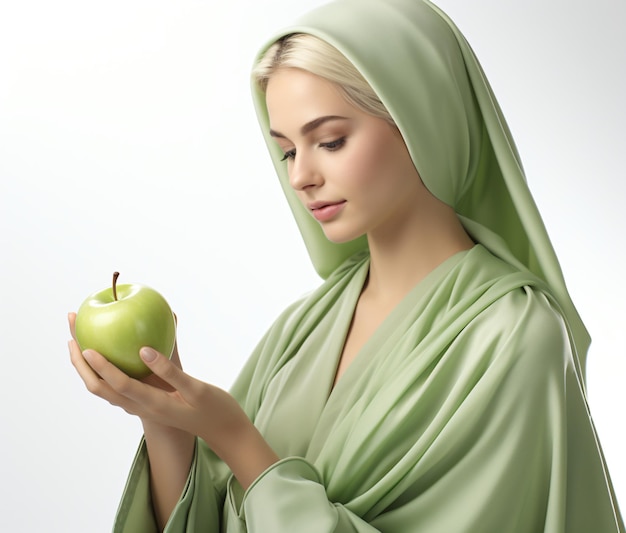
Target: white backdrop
[128, 142]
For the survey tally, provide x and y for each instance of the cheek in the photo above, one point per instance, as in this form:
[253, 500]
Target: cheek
[379, 166]
[369, 162]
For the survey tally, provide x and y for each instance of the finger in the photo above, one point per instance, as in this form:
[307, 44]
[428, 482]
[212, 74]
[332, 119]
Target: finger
[168, 371]
[117, 380]
[90, 377]
[134, 396]
[121, 390]
[71, 318]
[92, 380]
[81, 366]
[156, 381]
[175, 357]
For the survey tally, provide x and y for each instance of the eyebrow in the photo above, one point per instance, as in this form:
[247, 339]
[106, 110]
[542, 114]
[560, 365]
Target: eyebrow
[310, 126]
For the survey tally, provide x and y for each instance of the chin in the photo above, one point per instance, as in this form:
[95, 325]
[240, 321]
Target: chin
[341, 237]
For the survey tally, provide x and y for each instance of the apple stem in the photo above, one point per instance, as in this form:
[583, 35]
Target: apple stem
[115, 276]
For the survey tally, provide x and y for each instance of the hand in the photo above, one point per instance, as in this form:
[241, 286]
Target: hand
[152, 379]
[175, 399]
[158, 391]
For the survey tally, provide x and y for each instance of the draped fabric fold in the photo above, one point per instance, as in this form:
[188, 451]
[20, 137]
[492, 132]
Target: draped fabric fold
[464, 412]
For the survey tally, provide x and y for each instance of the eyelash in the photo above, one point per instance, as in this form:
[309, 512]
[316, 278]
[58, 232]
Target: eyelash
[291, 154]
[331, 146]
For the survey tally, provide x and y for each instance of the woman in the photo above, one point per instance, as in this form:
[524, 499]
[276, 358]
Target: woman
[434, 382]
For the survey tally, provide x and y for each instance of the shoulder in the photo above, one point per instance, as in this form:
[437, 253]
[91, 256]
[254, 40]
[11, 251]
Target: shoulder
[523, 310]
[530, 338]
[528, 315]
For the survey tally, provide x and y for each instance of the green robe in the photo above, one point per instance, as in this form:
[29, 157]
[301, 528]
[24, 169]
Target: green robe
[464, 412]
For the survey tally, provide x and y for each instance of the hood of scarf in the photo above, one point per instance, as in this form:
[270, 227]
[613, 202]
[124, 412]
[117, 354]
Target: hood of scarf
[427, 76]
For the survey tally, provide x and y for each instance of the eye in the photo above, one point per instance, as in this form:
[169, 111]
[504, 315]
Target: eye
[334, 145]
[291, 154]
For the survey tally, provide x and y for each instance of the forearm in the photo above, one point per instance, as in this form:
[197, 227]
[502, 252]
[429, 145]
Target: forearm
[170, 452]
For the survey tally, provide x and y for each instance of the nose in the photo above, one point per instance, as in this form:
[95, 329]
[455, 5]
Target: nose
[304, 174]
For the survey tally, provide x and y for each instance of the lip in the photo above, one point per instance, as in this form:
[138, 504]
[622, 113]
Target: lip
[323, 211]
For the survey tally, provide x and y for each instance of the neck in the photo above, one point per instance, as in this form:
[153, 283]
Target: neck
[402, 257]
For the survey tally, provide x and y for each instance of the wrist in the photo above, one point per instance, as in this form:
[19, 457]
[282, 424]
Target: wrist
[154, 429]
[247, 454]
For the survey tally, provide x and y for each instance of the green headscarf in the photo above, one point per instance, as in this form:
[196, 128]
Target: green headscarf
[432, 84]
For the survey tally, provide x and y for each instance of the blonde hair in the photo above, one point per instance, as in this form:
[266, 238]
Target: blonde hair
[309, 53]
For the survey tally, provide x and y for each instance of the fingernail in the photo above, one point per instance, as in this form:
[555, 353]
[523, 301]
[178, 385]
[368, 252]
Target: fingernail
[88, 355]
[148, 354]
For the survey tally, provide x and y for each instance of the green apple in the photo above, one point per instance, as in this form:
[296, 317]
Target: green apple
[119, 320]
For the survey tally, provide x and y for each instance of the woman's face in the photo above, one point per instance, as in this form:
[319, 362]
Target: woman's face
[350, 169]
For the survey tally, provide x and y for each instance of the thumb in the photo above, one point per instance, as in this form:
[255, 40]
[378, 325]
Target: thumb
[169, 373]
[148, 355]
[165, 369]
